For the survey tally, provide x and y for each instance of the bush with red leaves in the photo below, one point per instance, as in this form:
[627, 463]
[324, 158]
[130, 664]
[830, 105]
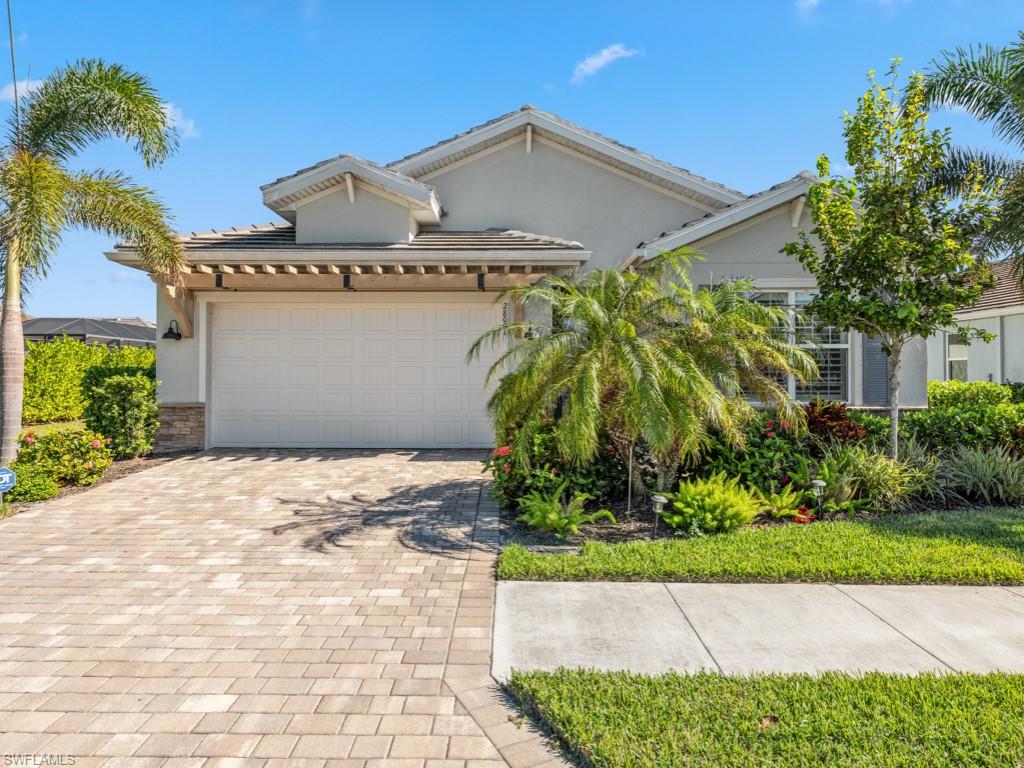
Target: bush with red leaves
[828, 422]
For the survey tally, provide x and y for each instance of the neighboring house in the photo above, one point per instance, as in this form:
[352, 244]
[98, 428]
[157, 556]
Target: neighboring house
[348, 323]
[1000, 311]
[109, 331]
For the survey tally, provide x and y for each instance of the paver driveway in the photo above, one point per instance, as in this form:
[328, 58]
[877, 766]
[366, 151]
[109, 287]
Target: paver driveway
[262, 608]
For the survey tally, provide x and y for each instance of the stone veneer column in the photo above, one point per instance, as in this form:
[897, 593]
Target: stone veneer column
[182, 427]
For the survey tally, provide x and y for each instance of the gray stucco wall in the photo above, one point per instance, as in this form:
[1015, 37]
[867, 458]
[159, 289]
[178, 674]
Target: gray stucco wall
[999, 360]
[371, 219]
[751, 250]
[1013, 347]
[177, 362]
[553, 192]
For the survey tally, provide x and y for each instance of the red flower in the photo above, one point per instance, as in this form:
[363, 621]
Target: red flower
[784, 424]
[770, 433]
[28, 440]
[611, 449]
[769, 424]
[96, 444]
[507, 468]
[503, 451]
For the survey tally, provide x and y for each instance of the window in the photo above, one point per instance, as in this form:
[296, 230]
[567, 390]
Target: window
[956, 357]
[829, 346]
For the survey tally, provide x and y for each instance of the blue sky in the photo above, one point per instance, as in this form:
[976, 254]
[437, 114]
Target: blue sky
[746, 93]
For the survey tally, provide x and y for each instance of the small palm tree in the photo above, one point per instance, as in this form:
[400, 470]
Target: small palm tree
[643, 356]
[40, 197]
[988, 83]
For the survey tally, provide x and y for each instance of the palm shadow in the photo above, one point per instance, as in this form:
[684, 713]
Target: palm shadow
[436, 518]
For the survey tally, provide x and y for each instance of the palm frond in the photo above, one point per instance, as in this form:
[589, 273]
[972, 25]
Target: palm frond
[111, 203]
[88, 101]
[36, 208]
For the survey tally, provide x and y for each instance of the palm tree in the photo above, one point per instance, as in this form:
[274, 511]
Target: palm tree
[40, 197]
[988, 82]
[643, 356]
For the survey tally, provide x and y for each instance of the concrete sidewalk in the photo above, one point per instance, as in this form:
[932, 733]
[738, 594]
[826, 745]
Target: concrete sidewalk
[751, 628]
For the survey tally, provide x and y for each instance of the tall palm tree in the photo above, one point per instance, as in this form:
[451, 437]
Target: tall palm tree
[642, 355]
[988, 83]
[41, 197]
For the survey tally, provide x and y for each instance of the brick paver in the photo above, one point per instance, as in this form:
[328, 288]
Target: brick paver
[260, 608]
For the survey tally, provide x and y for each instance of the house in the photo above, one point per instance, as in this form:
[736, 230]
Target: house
[1000, 311]
[109, 331]
[347, 323]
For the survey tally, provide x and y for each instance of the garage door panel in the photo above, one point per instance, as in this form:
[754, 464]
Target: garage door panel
[362, 376]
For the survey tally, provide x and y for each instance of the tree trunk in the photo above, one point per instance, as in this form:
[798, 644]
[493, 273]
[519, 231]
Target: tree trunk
[666, 474]
[895, 355]
[12, 359]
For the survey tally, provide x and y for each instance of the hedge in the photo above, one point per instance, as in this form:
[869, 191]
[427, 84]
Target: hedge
[55, 373]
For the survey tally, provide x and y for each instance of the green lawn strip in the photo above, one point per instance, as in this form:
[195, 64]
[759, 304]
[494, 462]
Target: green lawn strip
[974, 546]
[55, 426]
[622, 720]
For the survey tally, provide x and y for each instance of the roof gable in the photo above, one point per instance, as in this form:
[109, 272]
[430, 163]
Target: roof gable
[288, 192]
[537, 122]
[781, 194]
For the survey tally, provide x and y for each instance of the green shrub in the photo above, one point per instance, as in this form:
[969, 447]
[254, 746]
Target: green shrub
[855, 474]
[70, 457]
[54, 372]
[710, 505]
[772, 455]
[1016, 391]
[984, 425]
[603, 479]
[548, 512]
[124, 408]
[876, 428]
[966, 394]
[35, 482]
[991, 475]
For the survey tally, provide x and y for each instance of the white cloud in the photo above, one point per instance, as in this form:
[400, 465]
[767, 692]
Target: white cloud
[186, 126]
[595, 62]
[24, 87]
[806, 7]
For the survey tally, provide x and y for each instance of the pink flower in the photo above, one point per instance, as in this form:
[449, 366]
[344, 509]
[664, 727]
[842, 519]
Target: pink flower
[28, 440]
[507, 468]
[503, 451]
[770, 433]
[769, 424]
[96, 444]
[89, 465]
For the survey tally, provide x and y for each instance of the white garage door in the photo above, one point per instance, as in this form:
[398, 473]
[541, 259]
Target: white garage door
[349, 376]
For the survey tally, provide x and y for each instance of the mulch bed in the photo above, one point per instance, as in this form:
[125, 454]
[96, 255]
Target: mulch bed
[636, 526]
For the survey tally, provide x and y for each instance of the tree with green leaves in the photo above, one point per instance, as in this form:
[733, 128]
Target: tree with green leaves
[642, 356]
[41, 196]
[988, 83]
[891, 247]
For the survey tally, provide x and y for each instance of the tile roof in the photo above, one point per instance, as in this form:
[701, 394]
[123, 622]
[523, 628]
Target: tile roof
[281, 236]
[574, 127]
[1007, 291]
[100, 328]
[385, 169]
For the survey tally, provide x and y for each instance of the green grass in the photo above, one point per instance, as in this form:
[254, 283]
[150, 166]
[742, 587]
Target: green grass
[974, 546]
[621, 720]
[55, 426]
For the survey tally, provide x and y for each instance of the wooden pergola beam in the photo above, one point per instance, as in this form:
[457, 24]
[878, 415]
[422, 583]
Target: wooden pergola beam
[182, 304]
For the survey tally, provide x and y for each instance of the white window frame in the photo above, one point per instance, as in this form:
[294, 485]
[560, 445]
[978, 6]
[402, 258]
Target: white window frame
[950, 340]
[791, 308]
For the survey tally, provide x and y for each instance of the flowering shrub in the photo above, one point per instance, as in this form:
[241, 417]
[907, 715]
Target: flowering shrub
[772, 456]
[71, 457]
[603, 479]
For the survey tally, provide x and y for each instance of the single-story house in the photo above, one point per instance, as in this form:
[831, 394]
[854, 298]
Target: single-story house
[1000, 311]
[108, 331]
[347, 323]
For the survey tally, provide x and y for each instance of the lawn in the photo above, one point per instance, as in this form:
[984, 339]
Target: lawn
[55, 426]
[621, 720]
[973, 546]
